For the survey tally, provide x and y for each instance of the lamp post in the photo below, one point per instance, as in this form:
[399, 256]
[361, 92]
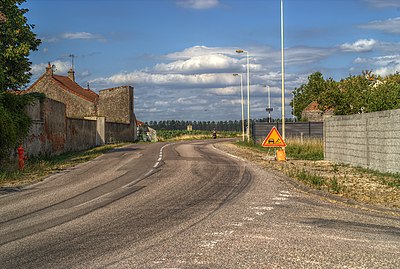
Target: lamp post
[283, 74]
[269, 108]
[248, 93]
[241, 94]
[294, 117]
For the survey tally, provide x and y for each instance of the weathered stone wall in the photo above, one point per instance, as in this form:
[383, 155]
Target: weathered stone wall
[52, 133]
[76, 107]
[370, 140]
[81, 134]
[47, 134]
[116, 104]
[118, 132]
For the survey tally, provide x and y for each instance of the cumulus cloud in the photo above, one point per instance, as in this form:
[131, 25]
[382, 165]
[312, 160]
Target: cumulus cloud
[198, 4]
[175, 80]
[200, 51]
[202, 63]
[60, 67]
[361, 45]
[200, 79]
[391, 25]
[381, 65]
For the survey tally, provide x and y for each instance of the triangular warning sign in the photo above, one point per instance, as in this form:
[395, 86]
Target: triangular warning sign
[274, 139]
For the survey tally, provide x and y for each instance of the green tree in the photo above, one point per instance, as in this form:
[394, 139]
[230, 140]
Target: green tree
[16, 42]
[308, 93]
[385, 96]
[354, 95]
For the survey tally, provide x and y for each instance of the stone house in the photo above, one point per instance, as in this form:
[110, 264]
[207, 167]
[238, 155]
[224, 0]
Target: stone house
[114, 104]
[314, 114]
[88, 118]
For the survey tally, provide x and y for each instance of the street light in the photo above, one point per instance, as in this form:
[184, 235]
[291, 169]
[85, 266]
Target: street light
[283, 74]
[248, 93]
[269, 109]
[241, 94]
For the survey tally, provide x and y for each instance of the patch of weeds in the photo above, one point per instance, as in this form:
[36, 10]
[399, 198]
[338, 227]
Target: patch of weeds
[335, 187]
[313, 179]
[389, 179]
[335, 168]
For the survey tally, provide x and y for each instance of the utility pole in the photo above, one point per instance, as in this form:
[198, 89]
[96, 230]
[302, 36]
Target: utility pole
[283, 75]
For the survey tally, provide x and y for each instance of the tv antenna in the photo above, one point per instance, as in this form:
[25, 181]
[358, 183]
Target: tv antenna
[72, 60]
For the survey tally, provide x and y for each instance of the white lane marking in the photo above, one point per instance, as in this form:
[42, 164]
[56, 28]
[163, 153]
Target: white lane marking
[268, 208]
[209, 244]
[160, 156]
[280, 198]
[224, 233]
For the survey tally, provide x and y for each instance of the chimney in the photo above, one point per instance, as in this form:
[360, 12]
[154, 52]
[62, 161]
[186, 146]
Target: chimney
[71, 74]
[49, 70]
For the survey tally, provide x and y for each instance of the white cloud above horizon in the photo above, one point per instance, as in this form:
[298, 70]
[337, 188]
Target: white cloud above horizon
[361, 45]
[81, 35]
[391, 25]
[197, 4]
[382, 65]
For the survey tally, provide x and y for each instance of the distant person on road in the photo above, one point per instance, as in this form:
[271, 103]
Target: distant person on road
[214, 134]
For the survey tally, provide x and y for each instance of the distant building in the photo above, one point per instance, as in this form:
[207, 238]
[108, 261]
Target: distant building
[314, 114]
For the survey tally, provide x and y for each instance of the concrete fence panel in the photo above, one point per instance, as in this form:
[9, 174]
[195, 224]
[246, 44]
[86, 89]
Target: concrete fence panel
[370, 140]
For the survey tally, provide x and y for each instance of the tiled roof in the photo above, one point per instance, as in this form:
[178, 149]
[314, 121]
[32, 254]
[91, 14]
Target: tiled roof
[313, 106]
[74, 88]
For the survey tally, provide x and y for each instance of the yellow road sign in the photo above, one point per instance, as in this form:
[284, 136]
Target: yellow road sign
[274, 139]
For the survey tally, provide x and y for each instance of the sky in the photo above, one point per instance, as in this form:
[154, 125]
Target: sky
[179, 55]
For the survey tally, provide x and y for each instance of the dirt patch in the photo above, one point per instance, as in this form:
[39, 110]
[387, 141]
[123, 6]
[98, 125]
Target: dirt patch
[341, 180]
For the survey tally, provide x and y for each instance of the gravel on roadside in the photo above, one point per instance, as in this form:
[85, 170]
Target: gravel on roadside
[339, 179]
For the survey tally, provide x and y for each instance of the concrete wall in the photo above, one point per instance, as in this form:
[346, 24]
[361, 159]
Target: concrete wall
[370, 140]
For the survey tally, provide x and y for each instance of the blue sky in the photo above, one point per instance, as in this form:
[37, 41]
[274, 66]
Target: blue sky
[179, 55]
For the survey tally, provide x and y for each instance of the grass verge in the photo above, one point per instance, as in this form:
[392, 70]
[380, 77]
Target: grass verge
[308, 149]
[39, 167]
[179, 135]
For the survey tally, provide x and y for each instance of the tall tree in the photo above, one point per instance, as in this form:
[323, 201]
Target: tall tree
[17, 40]
[308, 93]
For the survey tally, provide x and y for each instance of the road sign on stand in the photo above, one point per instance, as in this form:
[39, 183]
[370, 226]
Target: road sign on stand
[274, 139]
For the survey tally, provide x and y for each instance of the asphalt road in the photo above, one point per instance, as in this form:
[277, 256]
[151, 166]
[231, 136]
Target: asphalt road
[187, 205]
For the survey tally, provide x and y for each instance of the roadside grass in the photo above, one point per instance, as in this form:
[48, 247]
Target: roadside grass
[179, 135]
[37, 168]
[306, 149]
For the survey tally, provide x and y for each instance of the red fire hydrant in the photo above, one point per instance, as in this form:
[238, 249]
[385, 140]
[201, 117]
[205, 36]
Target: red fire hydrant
[21, 158]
